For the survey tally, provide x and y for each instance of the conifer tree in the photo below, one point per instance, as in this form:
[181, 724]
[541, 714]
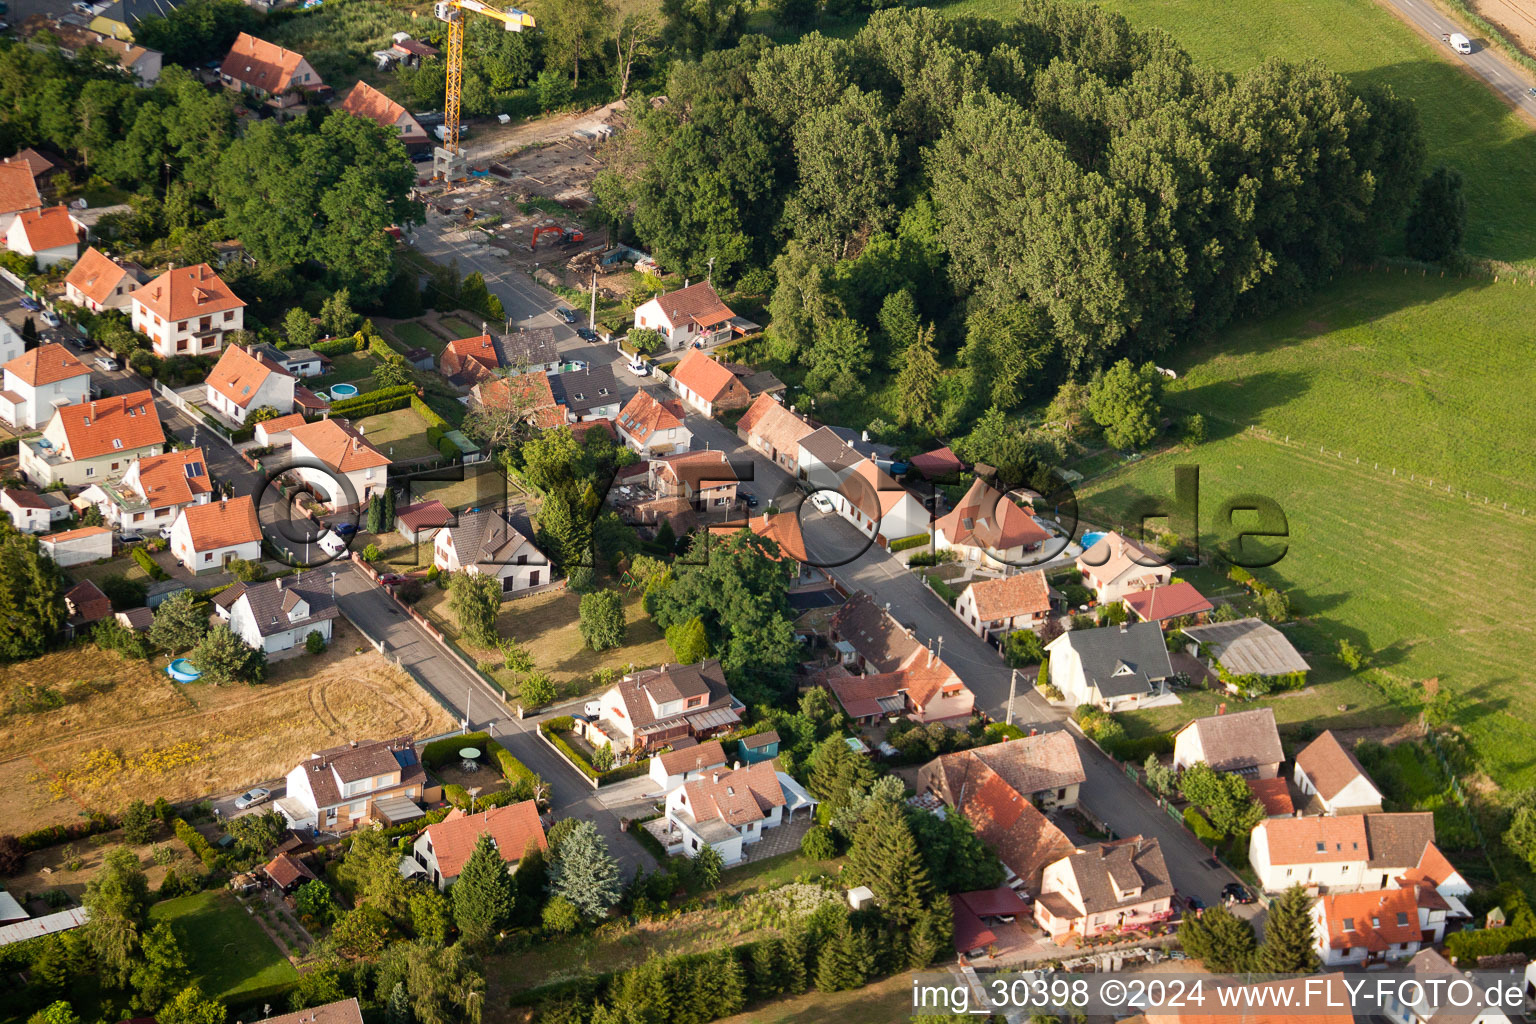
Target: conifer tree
[484, 895]
[885, 857]
[1288, 937]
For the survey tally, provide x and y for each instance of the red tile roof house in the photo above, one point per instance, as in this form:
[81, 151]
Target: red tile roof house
[1045, 767]
[441, 851]
[706, 386]
[653, 428]
[94, 441]
[989, 527]
[527, 394]
[344, 1012]
[78, 547]
[1007, 820]
[901, 676]
[99, 282]
[1334, 777]
[705, 479]
[366, 101]
[279, 76]
[277, 616]
[1120, 886]
[859, 490]
[687, 315]
[783, 528]
[655, 708]
[467, 361]
[18, 193]
[1175, 601]
[274, 432]
[497, 543]
[994, 608]
[40, 381]
[186, 311]
[340, 788]
[1369, 928]
[774, 432]
[1115, 566]
[50, 235]
[31, 512]
[1245, 743]
[688, 759]
[206, 538]
[153, 491]
[338, 463]
[240, 383]
[421, 521]
[729, 810]
[87, 606]
[1349, 852]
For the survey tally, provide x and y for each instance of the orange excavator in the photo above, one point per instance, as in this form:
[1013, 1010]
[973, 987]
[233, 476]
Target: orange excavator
[565, 235]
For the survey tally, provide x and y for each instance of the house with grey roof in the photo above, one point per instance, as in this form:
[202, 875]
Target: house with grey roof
[1113, 668]
[1245, 743]
[529, 350]
[279, 615]
[497, 542]
[1245, 648]
[1107, 887]
[590, 394]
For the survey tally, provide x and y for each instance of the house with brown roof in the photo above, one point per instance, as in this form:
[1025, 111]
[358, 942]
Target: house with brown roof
[923, 689]
[706, 480]
[858, 489]
[100, 282]
[1009, 822]
[93, 441]
[653, 428]
[494, 542]
[1427, 1002]
[526, 395]
[688, 759]
[1114, 566]
[1369, 928]
[32, 512]
[346, 1011]
[657, 707]
[86, 605]
[1346, 852]
[1243, 743]
[990, 527]
[422, 520]
[39, 382]
[1332, 775]
[366, 101]
[1045, 768]
[1119, 886]
[1306, 999]
[279, 614]
[42, 167]
[206, 538]
[271, 73]
[358, 783]
[729, 810]
[442, 850]
[240, 383]
[993, 608]
[338, 462]
[694, 313]
[783, 528]
[706, 386]
[774, 432]
[1175, 601]
[274, 432]
[18, 193]
[1274, 795]
[77, 547]
[467, 361]
[51, 235]
[868, 639]
[153, 491]
[186, 311]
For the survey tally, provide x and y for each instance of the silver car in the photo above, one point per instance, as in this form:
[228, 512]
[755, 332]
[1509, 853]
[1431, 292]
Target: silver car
[252, 798]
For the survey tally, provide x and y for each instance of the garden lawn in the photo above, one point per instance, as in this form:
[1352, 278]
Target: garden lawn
[228, 953]
[347, 368]
[411, 334]
[1465, 125]
[459, 328]
[401, 434]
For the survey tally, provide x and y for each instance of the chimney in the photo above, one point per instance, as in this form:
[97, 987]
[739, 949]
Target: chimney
[930, 657]
[864, 435]
[714, 777]
[736, 766]
[1125, 627]
[279, 583]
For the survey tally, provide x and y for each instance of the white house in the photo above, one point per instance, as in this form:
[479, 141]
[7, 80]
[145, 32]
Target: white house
[274, 432]
[1245, 743]
[50, 235]
[94, 441]
[77, 547]
[206, 538]
[1434, 973]
[31, 512]
[1349, 852]
[588, 394]
[366, 101]
[268, 71]
[1114, 668]
[99, 282]
[186, 311]
[989, 527]
[1106, 887]
[18, 192]
[774, 432]
[279, 615]
[993, 608]
[1366, 928]
[1115, 566]
[658, 707]
[441, 851]
[343, 787]
[705, 385]
[12, 344]
[240, 383]
[491, 542]
[687, 315]
[727, 810]
[39, 383]
[1332, 774]
[688, 759]
[859, 490]
[153, 491]
[325, 452]
[653, 428]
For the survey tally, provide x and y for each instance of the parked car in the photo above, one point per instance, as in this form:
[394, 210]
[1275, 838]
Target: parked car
[575, 366]
[586, 334]
[27, 302]
[822, 503]
[52, 319]
[344, 529]
[420, 158]
[749, 498]
[389, 579]
[568, 315]
[1194, 904]
[593, 709]
[640, 369]
[252, 798]
[1236, 892]
[106, 364]
[165, 533]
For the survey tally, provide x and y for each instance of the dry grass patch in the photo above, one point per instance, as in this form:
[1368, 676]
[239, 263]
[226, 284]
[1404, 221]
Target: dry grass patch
[129, 732]
[46, 869]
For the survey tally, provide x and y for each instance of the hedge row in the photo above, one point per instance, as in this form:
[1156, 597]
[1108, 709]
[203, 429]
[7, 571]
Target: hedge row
[41, 839]
[149, 565]
[511, 768]
[399, 395]
[429, 414]
[339, 346]
[384, 350]
[195, 842]
[459, 797]
[10, 446]
[917, 540]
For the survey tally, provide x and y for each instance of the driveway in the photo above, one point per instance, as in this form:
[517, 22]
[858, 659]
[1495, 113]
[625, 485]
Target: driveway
[380, 618]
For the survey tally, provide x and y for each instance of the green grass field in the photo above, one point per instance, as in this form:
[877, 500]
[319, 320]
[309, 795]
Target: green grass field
[413, 335]
[347, 368]
[459, 328]
[1464, 124]
[228, 953]
[401, 434]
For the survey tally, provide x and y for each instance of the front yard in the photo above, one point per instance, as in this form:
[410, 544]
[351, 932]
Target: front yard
[401, 434]
[549, 625]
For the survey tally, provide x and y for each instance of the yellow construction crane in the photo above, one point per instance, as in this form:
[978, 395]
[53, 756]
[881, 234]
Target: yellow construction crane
[447, 162]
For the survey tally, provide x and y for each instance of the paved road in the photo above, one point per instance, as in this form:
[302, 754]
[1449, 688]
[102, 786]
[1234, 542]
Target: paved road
[1487, 63]
[377, 615]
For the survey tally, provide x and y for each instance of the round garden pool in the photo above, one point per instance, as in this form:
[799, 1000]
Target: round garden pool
[343, 390]
[182, 671]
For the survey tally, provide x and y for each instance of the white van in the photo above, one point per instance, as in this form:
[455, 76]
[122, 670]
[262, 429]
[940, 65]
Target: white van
[1460, 43]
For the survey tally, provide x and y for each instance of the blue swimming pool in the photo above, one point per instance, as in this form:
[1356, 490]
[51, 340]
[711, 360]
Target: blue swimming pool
[343, 390]
[1090, 539]
[182, 671]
